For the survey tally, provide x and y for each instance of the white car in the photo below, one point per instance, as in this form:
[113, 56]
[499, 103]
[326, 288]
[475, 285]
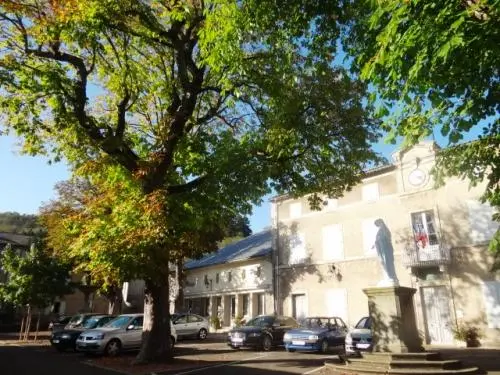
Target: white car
[191, 325]
[359, 339]
[120, 334]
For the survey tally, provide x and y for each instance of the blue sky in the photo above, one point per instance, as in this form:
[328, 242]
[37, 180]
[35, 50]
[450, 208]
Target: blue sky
[29, 181]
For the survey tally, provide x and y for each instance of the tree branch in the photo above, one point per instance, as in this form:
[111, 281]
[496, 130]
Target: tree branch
[187, 187]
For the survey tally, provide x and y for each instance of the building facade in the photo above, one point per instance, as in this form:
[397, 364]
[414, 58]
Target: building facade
[324, 259]
[234, 282]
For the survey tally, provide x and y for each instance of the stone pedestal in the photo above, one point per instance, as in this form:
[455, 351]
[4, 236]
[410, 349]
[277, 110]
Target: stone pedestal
[394, 328]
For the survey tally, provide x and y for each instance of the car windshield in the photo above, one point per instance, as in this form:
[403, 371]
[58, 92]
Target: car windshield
[364, 323]
[92, 322]
[77, 319]
[315, 323]
[118, 322]
[261, 321]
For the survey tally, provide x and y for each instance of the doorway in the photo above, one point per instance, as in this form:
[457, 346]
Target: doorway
[299, 306]
[437, 314]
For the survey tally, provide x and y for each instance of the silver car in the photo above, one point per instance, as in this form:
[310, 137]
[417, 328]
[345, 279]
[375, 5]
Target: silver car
[191, 325]
[120, 334]
[359, 339]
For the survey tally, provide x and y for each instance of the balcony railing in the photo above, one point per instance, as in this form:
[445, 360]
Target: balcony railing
[431, 255]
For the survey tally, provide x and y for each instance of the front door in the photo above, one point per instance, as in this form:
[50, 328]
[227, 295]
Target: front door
[299, 306]
[436, 304]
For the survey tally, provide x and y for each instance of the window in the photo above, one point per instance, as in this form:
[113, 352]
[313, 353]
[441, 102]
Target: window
[258, 273]
[243, 274]
[295, 210]
[181, 320]
[424, 229]
[246, 303]
[336, 303]
[491, 296]
[229, 276]
[217, 278]
[137, 322]
[297, 248]
[261, 304]
[370, 192]
[233, 306]
[194, 318]
[369, 235]
[482, 227]
[333, 244]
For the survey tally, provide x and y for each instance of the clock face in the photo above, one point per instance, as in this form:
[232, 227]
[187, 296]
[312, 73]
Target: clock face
[417, 177]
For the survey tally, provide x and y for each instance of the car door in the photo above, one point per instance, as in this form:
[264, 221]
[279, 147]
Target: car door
[181, 325]
[194, 324]
[133, 335]
[340, 332]
[280, 326]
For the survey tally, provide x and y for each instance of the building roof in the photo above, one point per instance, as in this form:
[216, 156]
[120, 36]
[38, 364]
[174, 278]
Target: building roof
[16, 239]
[254, 246]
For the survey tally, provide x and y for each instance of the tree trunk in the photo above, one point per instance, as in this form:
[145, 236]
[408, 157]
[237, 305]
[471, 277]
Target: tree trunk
[115, 302]
[22, 328]
[27, 326]
[156, 327]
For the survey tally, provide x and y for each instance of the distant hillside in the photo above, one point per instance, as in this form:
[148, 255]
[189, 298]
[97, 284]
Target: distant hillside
[13, 222]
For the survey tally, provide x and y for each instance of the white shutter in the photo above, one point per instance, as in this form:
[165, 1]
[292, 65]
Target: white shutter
[369, 236]
[297, 248]
[295, 210]
[336, 303]
[333, 243]
[482, 227]
[491, 296]
[370, 192]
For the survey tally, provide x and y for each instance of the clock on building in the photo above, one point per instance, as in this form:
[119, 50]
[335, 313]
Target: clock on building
[417, 177]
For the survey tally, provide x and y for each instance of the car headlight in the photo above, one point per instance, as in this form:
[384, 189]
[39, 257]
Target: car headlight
[65, 336]
[313, 337]
[348, 339]
[287, 337]
[99, 336]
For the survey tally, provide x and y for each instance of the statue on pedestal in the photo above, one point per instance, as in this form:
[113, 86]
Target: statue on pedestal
[385, 251]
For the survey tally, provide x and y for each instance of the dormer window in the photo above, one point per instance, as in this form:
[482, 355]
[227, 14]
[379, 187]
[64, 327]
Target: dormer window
[243, 274]
[229, 276]
[259, 271]
[217, 278]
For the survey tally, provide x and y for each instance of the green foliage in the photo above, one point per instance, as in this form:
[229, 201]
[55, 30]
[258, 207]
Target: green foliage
[467, 332]
[13, 222]
[34, 278]
[434, 64]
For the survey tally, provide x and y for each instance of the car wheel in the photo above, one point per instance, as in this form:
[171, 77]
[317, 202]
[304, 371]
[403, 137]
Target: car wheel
[202, 335]
[267, 343]
[113, 348]
[324, 346]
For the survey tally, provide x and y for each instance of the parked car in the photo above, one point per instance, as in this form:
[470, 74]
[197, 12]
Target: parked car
[120, 334]
[78, 320]
[360, 337]
[59, 323]
[191, 325]
[66, 338]
[263, 332]
[317, 334]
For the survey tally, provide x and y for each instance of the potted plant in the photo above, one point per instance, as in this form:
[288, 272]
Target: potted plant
[467, 333]
[239, 320]
[216, 322]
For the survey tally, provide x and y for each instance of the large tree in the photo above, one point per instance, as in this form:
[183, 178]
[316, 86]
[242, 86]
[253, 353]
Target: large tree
[435, 67]
[182, 112]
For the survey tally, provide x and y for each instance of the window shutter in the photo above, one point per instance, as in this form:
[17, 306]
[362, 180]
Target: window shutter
[491, 296]
[370, 192]
[336, 303]
[297, 248]
[333, 242]
[482, 227]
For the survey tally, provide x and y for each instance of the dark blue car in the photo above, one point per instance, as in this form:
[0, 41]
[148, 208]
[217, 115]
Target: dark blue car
[317, 333]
